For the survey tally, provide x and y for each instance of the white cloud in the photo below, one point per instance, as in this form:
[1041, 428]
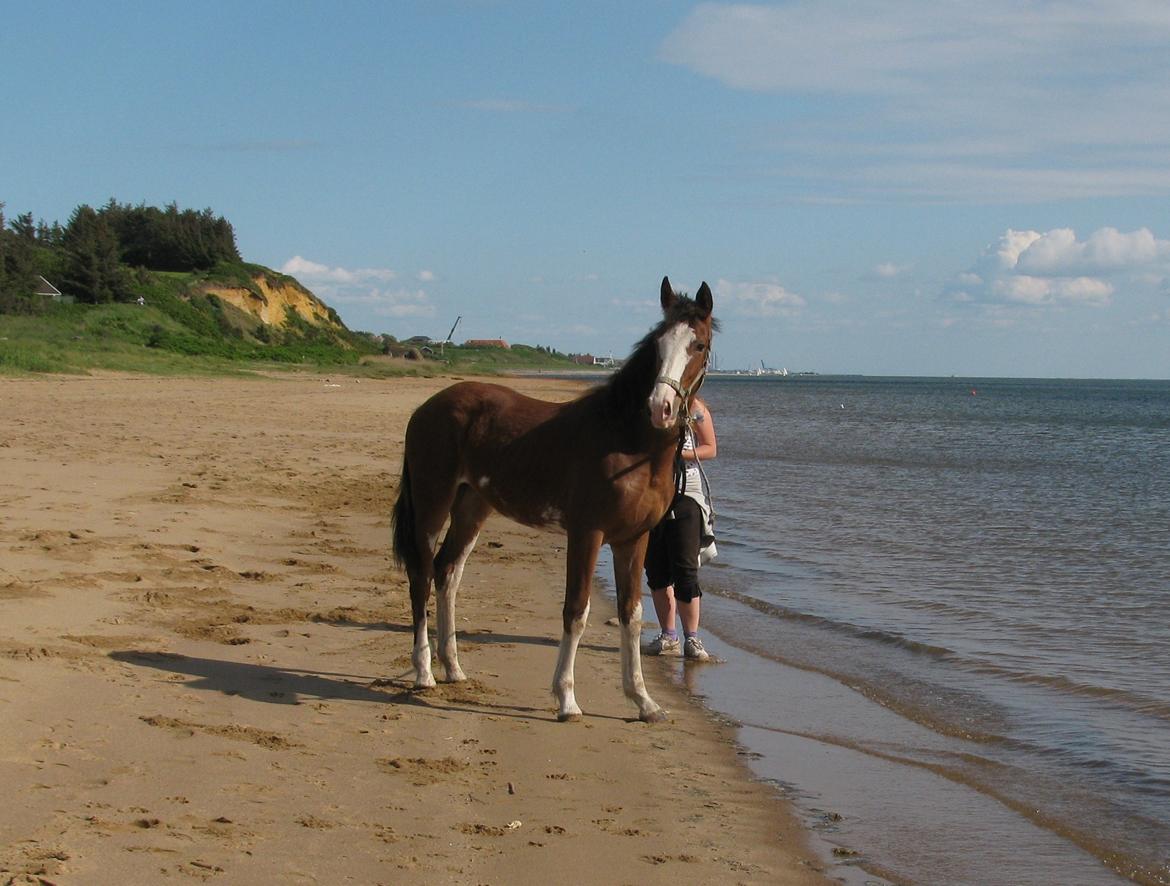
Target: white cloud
[1085, 290]
[881, 48]
[768, 299]
[426, 276]
[302, 267]
[889, 270]
[1024, 289]
[388, 303]
[1155, 319]
[919, 100]
[1038, 269]
[1005, 254]
[1105, 250]
[360, 289]
[313, 272]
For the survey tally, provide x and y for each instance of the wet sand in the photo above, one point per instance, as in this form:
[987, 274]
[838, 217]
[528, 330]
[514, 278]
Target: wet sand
[205, 666]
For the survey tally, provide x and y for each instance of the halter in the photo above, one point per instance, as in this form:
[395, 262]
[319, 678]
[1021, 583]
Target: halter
[685, 394]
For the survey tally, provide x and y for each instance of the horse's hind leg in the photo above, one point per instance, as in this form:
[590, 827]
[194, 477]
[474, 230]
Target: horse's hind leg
[580, 560]
[420, 595]
[428, 524]
[467, 516]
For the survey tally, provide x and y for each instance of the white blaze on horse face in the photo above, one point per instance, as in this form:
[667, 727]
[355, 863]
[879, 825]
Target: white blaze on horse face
[674, 347]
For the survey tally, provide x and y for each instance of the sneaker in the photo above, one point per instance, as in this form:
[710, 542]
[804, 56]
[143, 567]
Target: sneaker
[694, 650]
[664, 645]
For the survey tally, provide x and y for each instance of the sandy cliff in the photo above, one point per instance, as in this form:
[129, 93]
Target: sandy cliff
[270, 298]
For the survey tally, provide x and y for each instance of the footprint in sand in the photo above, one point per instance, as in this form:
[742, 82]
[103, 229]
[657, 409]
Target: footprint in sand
[262, 737]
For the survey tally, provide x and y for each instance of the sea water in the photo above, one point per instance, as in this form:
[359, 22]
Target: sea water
[945, 607]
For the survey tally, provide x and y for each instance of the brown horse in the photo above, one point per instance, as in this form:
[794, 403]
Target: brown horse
[600, 467]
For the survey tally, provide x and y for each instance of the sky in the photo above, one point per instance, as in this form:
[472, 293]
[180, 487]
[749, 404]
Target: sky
[920, 187]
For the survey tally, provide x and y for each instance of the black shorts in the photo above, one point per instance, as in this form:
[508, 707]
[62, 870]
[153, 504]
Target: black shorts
[672, 557]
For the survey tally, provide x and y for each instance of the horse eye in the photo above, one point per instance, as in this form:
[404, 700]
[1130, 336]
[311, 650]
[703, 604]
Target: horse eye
[699, 346]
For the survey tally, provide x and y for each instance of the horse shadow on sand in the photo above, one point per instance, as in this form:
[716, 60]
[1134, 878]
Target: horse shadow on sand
[466, 635]
[272, 684]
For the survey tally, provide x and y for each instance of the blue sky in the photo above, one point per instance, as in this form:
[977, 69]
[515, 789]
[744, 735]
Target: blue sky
[911, 188]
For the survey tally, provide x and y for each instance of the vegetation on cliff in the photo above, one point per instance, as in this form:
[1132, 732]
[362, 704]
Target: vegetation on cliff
[165, 290]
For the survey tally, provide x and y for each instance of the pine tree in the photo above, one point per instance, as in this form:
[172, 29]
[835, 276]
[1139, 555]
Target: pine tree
[93, 269]
[171, 239]
[23, 227]
[3, 260]
[18, 275]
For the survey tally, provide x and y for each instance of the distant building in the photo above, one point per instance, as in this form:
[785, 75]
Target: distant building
[590, 360]
[487, 343]
[47, 289]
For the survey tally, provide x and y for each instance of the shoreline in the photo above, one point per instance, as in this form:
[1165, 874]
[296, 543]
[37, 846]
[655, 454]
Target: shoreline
[204, 662]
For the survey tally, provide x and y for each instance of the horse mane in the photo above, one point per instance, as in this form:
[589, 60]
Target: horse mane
[627, 389]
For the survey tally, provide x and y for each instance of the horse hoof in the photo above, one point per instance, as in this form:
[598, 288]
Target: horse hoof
[655, 716]
[420, 685]
[570, 718]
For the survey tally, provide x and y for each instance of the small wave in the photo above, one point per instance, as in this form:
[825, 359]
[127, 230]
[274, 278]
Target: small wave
[1011, 787]
[1133, 701]
[1137, 702]
[852, 630]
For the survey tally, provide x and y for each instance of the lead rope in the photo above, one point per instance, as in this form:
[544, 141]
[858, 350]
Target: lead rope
[688, 427]
[706, 484]
[680, 483]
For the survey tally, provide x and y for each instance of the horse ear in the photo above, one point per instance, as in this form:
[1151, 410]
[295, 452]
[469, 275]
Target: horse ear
[704, 299]
[668, 297]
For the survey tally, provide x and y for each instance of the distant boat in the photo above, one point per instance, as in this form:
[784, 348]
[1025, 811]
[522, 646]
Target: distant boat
[765, 370]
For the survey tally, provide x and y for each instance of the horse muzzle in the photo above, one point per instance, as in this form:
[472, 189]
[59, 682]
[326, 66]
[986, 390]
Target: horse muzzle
[665, 406]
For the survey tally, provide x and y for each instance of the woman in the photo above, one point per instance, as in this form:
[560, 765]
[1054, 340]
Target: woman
[682, 541]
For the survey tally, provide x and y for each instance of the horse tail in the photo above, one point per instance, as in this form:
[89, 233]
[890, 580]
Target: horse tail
[405, 546]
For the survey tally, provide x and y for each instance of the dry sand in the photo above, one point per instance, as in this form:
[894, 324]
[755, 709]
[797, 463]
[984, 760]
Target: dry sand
[205, 667]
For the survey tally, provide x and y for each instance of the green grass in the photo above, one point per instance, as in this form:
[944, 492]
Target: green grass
[200, 334]
[20, 359]
[488, 360]
[75, 339]
[166, 336]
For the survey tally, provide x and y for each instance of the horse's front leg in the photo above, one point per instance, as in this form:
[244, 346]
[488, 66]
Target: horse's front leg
[628, 559]
[580, 561]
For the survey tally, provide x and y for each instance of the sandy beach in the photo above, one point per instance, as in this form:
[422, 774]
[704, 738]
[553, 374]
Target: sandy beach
[205, 666]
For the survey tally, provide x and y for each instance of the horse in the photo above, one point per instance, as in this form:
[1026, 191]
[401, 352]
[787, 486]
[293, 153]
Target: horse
[600, 467]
